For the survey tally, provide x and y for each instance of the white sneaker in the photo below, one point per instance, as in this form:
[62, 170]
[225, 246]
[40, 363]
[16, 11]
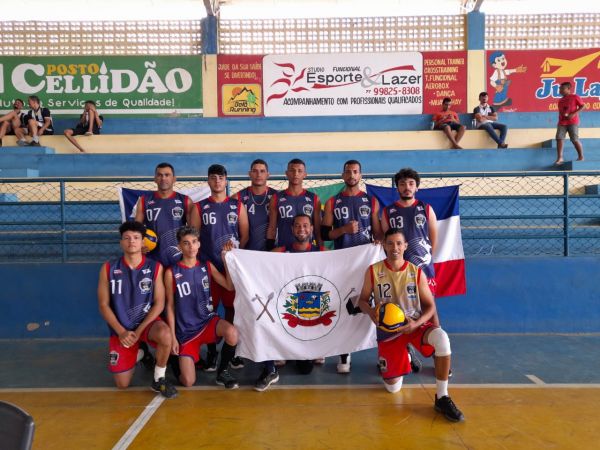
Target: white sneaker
[344, 367]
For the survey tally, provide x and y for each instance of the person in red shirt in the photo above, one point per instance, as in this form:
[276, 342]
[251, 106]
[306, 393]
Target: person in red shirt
[448, 121]
[568, 121]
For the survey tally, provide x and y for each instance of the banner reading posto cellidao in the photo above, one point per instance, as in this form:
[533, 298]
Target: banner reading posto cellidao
[119, 84]
[343, 84]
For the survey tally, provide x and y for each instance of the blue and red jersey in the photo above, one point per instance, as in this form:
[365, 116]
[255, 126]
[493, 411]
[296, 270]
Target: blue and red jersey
[219, 224]
[131, 290]
[165, 216]
[288, 206]
[193, 301]
[346, 208]
[257, 207]
[413, 220]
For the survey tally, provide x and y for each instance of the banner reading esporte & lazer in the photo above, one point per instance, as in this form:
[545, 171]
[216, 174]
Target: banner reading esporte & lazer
[343, 84]
[119, 84]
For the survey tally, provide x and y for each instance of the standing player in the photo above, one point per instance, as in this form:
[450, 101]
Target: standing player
[222, 219]
[302, 231]
[131, 296]
[256, 199]
[165, 211]
[190, 313]
[351, 218]
[285, 205]
[418, 222]
[395, 280]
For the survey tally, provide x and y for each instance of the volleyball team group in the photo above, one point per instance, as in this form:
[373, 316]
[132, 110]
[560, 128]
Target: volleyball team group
[168, 298]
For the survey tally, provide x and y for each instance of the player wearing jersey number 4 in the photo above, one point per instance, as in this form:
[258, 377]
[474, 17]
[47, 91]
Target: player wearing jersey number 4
[395, 280]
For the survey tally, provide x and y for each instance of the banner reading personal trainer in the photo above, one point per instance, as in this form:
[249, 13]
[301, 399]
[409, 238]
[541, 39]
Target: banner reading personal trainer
[343, 84]
[119, 84]
[297, 305]
[528, 80]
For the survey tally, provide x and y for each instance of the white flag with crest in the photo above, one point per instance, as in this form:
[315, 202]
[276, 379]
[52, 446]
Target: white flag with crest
[301, 305]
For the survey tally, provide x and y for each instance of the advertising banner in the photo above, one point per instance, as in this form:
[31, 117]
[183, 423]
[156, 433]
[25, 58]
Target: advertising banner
[119, 84]
[343, 84]
[528, 81]
[239, 79]
[444, 75]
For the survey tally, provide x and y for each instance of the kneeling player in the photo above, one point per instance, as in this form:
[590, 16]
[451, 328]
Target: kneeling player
[131, 296]
[395, 280]
[190, 311]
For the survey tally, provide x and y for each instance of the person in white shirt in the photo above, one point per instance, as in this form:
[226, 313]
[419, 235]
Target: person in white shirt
[486, 119]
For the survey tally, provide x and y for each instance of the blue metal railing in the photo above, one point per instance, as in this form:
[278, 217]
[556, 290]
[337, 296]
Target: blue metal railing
[548, 218]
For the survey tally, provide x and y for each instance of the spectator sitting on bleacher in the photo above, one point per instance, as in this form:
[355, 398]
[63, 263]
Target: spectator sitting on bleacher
[39, 122]
[486, 117]
[448, 121]
[14, 121]
[89, 123]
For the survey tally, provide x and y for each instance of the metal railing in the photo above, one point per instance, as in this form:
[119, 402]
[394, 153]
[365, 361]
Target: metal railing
[502, 214]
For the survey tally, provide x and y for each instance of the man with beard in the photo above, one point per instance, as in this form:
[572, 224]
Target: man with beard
[351, 218]
[418, 222]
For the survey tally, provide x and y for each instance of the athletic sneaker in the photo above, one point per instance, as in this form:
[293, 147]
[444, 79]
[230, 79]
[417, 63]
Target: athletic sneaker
[21, 142]
[344, 365]
[265, 380]
[446, 406]
[210, 362]
[224, 378]
[236, 363]
[415, 363]
[164, 387]
[34, 144]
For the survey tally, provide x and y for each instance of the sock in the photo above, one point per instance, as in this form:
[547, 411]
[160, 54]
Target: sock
[441, 388]
[269, 366]
[227, 352]
[36, 138]
[159, 372]
[212, 348]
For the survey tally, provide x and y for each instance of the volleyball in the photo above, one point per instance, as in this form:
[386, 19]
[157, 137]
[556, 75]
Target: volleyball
[390, 317]
[150, 240]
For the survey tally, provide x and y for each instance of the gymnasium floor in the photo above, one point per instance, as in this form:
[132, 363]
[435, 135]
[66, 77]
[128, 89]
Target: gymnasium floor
[516, 391]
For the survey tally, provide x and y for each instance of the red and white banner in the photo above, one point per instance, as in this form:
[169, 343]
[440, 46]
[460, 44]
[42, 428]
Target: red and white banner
[343, 84]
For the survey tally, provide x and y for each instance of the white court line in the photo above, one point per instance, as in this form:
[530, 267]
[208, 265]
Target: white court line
[322, 387]
[139, 423]
[536, 380]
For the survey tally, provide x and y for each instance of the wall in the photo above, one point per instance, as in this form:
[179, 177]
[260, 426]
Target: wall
[505, 295]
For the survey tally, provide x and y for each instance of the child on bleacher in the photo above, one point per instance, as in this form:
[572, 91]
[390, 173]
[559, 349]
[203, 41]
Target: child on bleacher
[90, 123]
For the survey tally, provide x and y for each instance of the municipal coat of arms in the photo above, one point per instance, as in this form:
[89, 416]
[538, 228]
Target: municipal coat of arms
[308, 306]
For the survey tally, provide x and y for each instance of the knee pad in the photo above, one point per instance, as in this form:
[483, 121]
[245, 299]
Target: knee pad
[393, 388]
[439, 340]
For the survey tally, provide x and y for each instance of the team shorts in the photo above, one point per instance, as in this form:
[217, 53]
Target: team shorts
[220, 294]
[80, 130]
[393, 355]
[454, 126]
[562, 130]
[208, 335]
[122, 359]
